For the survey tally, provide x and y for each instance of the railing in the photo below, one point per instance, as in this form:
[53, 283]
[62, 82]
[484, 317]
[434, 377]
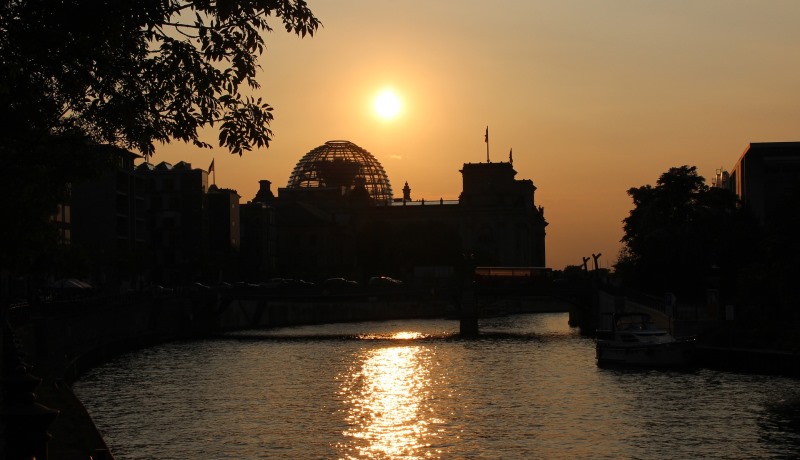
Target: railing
[439, 202]
[650, 301]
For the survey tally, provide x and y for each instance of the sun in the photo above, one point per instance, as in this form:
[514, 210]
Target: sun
[387, 104]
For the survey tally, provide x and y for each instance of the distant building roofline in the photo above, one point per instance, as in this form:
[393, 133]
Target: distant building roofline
[769, 148]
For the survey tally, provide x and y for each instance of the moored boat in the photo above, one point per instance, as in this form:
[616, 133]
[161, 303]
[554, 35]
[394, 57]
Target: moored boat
[634, 340]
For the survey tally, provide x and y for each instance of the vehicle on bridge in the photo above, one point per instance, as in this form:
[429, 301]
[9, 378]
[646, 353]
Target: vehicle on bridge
[512, 280]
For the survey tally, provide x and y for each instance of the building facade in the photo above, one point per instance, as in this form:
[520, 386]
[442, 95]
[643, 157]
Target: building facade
[258, 253]
[177, 222]
[224, 232]
[764, 176]
[339, 227]
[335, 218]
[107, 220]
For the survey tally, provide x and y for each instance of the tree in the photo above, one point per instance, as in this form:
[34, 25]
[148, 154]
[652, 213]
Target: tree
[682, 233]
[133, 73]
[77, 74]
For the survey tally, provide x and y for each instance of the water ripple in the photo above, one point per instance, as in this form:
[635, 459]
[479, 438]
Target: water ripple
[527, 388]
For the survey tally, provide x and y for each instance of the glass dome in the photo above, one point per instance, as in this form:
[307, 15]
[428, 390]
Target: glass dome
[342, 164]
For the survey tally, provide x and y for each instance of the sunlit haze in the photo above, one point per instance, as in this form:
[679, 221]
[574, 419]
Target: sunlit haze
[387, 104]
[593, 97]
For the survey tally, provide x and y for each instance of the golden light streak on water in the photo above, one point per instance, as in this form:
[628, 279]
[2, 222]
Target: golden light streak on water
[407, 335]
[385, 399]
[402, 335]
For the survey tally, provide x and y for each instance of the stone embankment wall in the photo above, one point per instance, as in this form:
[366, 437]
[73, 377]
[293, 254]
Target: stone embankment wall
[67, 338]
[70, 337]
[692, 320]
[258, 313]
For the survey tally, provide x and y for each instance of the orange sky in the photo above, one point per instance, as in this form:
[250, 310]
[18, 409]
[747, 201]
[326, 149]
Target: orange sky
[593, 97]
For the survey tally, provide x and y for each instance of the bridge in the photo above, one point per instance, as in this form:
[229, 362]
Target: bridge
[66, 337]
[253, 307]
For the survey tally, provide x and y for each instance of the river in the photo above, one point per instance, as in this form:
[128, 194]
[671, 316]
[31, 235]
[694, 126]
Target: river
[412, 389]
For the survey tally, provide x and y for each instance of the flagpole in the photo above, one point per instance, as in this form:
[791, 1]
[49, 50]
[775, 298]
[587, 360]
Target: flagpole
[486, 139]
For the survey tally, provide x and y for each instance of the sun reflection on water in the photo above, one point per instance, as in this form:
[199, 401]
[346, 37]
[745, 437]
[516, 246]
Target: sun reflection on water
[385, 400]
[402, 335]
[407, 335]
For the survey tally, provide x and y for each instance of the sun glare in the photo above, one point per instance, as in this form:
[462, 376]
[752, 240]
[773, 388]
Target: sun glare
[387, 104]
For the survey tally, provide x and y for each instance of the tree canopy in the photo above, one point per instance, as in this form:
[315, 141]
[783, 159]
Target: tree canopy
[79, 74]
[139, 72]
[682, 233]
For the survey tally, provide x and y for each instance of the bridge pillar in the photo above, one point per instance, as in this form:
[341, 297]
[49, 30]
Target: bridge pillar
[468, 318]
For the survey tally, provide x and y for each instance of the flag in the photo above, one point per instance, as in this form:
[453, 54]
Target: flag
[211, 166]
[486, 136]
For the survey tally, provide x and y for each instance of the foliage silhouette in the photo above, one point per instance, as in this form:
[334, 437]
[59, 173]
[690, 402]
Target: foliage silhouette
[133, 73]
[78, 74]
[683, 236]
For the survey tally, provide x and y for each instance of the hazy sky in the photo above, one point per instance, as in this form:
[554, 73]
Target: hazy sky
[594, 97]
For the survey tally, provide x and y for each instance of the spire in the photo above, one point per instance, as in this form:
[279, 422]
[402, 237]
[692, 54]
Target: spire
[211, 170]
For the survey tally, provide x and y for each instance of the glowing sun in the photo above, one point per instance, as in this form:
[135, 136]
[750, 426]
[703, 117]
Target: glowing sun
[387, 104]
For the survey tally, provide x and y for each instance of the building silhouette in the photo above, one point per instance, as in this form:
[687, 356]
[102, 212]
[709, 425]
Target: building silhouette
[763, 177]
[337, 217]
[258, 255]
[224, 229]
[177, 222]
[106, 218]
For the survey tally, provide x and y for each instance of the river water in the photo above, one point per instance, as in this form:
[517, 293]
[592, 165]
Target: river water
[527, 388]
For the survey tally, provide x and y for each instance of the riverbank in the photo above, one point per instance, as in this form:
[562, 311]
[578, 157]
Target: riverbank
[749, 360]
[72, 434]
[752, 345]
